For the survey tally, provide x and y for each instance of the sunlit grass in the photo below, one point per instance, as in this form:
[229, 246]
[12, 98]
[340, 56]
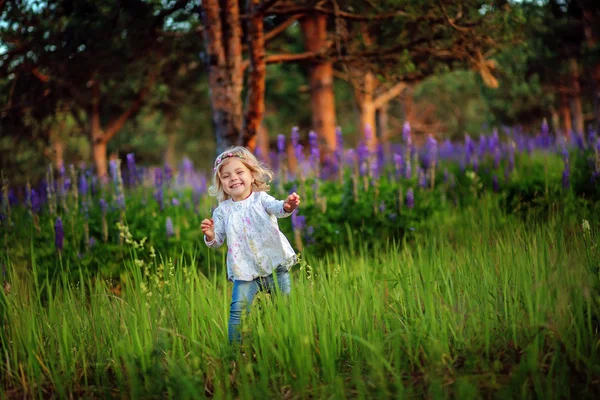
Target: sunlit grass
[476, 304]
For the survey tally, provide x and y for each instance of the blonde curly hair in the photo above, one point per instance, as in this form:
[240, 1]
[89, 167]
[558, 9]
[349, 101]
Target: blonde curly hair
[261, 172]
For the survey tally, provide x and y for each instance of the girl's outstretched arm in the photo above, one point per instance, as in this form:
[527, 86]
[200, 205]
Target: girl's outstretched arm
[280, 208]
[214, 230]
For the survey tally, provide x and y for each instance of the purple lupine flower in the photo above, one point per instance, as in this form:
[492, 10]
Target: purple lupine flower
[406, 139]
[398, 164]
[35, 202]
[431, 151]
[83, 185]
[482, 146]
[168, 172]
[374, 169]
[298, 221]
[469, 149]
[103, 206]
[565, 176]
[114, 171]
[362, 151]
[66, 186]
[339, 141]
[59, 234]
[475, 164]
[493, 140]
[175, 202]
[158, 177]
[295, 136]
[131, 169]
[159, 196]
[280, 143]
[299, 152]
[350, 157]
[446, 175]
[313, 140]
[497, 156]
[92, 242]
[422, 178]
[408, 170]
[495, 185]
[545, 131]
[410, 198]
[169, 228]
[382, 206]
[447, 148]
[121, 201]
[315, 156]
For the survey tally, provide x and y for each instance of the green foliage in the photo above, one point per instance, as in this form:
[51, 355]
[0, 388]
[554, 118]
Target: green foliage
[479, 304]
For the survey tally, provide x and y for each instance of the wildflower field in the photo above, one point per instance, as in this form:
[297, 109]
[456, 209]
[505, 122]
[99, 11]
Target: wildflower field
[446, 270]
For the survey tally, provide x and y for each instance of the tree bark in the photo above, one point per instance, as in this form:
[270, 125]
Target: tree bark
[255, 102]
[59, 150]
[383, 129]
[566, 115]
[98, 144]
[222, 39]
[590, 27]
[314, 29]
[576, 108]
[368, 124]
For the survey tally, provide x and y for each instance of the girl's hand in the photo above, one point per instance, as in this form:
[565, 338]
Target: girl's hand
[291, 203]
[208, 228]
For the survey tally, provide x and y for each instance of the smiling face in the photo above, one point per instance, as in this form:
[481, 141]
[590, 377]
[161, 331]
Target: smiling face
[236, 179]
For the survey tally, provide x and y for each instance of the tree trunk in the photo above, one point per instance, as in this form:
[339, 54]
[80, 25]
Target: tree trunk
[368, 124]
[314, 29]
[262, 142]
[222, 39]
[255, 102]
[566, 115]
[576, 108]
[555, 118]
[383, 129]
[98, 143]
[59, 151]
[170, 157]
[590, 27]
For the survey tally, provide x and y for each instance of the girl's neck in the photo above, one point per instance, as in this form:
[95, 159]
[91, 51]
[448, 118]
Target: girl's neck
[243, 198]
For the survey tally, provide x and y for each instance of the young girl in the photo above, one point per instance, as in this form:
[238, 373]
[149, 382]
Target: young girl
[258, 254]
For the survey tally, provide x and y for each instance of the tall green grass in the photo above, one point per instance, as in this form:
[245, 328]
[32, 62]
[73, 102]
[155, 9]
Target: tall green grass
[477, 304]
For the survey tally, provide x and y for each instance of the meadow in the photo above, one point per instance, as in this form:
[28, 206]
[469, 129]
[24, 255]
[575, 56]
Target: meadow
[446, 271]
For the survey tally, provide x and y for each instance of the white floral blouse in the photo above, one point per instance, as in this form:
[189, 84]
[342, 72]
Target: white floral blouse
[255, 245]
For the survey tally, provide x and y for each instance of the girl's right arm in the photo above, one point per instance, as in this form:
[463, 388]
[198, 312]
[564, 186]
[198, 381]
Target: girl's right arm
[217, 229]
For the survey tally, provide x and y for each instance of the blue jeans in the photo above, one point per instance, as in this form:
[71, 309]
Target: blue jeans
[244, 293]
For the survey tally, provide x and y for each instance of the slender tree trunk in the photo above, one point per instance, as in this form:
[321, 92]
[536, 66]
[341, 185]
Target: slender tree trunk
[566, 115]
[255, 102]
[170, 157]
[98, 143]
[591, 31]
[262, 142]
[576, 108]
[314, 29]
[383, 129]
[555, 118]
[59, 151]
[368, 124]
[222, 39]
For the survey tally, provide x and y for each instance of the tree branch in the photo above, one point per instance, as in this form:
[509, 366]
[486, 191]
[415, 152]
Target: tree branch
[273, 33]
[389, 94]
[44, 78]
[343, 14]
[117, 124]
[264, 6]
